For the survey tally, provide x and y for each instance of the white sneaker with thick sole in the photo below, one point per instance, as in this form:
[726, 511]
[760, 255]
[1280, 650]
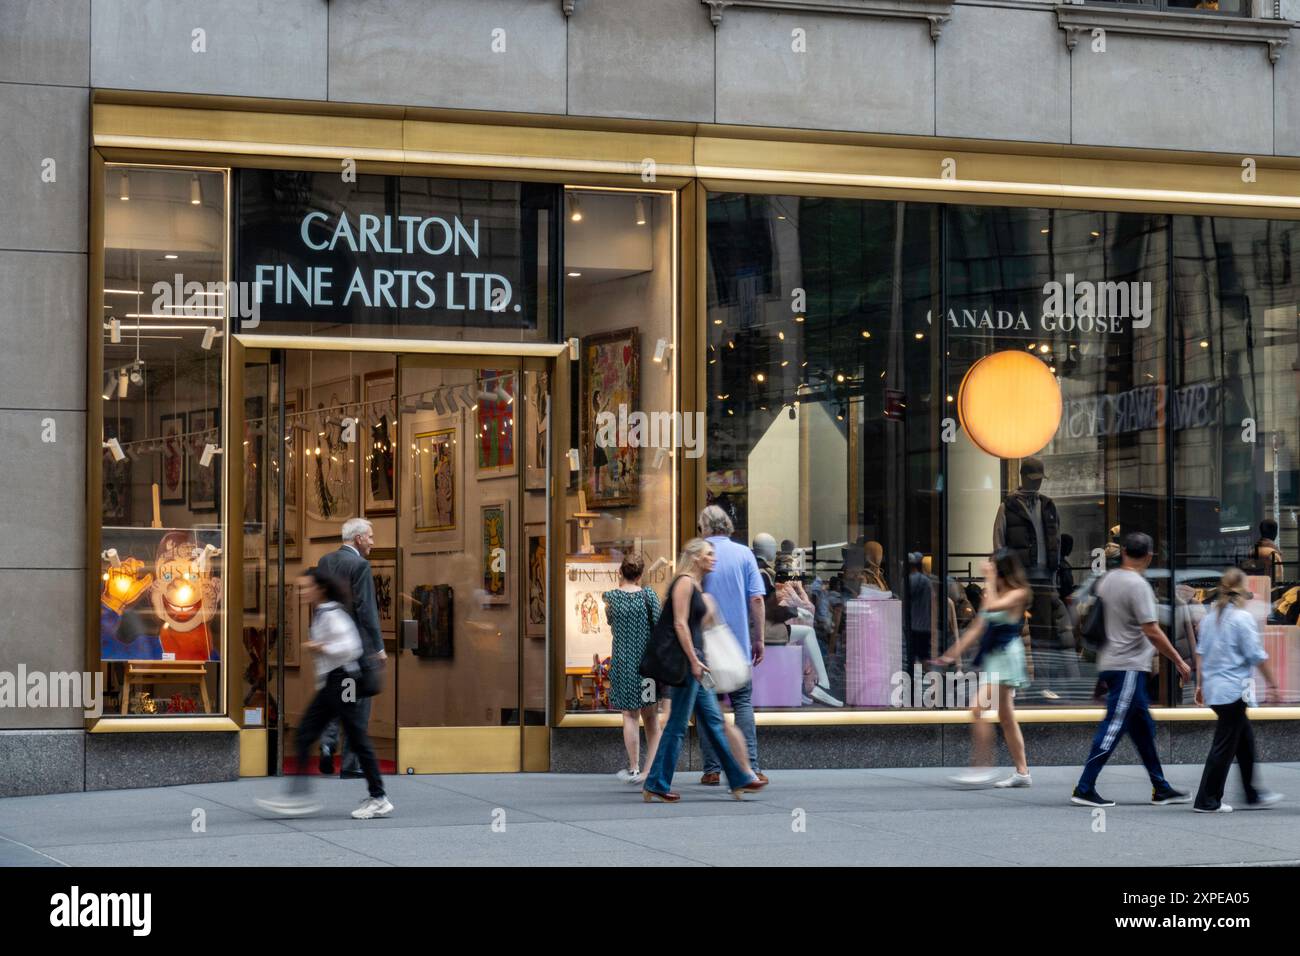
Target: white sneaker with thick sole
[1222, 808]
[373, 807]
[821, 695]
[1016, 779]
[290, 806]
[625, 775]
[974, 778]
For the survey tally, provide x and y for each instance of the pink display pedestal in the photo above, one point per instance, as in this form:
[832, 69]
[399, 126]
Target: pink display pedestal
[778, 681]
[873, 651]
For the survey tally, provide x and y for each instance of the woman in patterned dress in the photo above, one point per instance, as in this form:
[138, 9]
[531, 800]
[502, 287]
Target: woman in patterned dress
[633, 611]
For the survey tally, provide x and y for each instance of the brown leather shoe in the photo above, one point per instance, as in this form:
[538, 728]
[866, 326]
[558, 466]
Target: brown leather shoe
[762, 777]
[650, 796]
[711, 779]
[753, 786]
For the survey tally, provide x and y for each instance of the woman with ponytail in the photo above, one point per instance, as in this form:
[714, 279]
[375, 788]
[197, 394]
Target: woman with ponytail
[1228, 649]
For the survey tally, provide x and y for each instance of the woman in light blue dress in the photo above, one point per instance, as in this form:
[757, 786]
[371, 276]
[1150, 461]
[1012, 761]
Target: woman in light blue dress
[1000, 629]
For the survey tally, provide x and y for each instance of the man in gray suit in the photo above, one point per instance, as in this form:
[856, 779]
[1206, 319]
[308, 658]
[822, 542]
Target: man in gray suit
[349, 564]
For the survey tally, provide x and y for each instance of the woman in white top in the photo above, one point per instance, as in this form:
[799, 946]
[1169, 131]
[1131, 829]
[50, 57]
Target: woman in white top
[336, 648]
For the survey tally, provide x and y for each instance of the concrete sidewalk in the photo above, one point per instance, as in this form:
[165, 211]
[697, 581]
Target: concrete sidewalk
[851, 817]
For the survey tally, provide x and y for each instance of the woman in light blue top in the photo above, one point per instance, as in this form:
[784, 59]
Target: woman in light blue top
[1228, 649]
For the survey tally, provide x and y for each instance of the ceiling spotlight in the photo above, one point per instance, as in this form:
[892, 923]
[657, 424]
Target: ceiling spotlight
[574, 275]
[110, 386]
[114, 447]
[137, 373]
[123, 384]
[798, 318]
[919, 336]
[196, 197]
[1044, 230]
[575, 208]
[124, 187]
[115, 331]
[640, 211]
[171, 255]
[760, 377]
[1204, 344]
[839, 377]
[866, 334]
[661, 349]
[1044, 348]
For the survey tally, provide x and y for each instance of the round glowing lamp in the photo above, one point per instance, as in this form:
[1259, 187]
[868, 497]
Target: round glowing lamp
[1009, 404]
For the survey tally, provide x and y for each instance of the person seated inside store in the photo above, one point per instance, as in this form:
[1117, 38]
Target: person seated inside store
[789, 613]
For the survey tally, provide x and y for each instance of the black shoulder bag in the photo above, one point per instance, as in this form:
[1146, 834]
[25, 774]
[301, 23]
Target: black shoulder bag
[664, 660]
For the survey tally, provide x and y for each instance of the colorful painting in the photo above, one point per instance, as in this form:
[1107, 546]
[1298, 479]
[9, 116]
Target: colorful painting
[611, 472]
[494, 435]
[171, 483]
[331, 463]
[117, 474]
[539, 420]
[383, 568]
[205, 428]
[161, 596]
[586, 625]
[535, 555]
[379, 424]
[495, 538]
[436, 485]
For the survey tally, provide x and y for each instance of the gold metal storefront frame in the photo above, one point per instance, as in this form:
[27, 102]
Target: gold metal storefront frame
[689, 159]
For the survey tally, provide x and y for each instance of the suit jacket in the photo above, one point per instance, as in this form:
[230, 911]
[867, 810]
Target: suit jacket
[351, 567]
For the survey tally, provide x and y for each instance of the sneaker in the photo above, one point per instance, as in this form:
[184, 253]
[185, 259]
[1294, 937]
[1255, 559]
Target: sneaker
[1221, 808]
[974, 778]
[637, 777]
[372, 807]
[807, 701]
[1163, 798]
[1264, 800]
[821, 694]
[290, 806]
[326, 763]
[625, 775]
[1090, 799]
[1016, 779]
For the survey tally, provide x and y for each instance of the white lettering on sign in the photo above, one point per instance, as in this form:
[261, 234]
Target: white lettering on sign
[308, 285]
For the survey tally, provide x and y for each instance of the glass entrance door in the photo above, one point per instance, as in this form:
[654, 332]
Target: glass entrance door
[444, 459]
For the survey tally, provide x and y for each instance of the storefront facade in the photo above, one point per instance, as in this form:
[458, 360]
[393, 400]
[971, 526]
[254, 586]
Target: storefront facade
[523, 346]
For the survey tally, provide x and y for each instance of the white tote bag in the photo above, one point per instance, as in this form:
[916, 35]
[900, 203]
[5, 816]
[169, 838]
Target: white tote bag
[723, 655]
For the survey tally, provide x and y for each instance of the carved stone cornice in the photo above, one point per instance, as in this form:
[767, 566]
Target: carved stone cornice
[1080, 20]
[936, 12]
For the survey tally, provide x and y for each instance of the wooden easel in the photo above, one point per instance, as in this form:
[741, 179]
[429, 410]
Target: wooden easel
[148, 673]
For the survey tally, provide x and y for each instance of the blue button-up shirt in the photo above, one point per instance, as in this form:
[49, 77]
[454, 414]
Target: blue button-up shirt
[1229, 648]
[733, 581]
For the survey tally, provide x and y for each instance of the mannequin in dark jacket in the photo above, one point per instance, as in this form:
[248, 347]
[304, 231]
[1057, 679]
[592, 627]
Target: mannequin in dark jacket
[349, 563]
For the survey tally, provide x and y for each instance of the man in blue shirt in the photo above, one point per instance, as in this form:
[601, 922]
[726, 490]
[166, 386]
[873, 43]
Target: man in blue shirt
[738, 589]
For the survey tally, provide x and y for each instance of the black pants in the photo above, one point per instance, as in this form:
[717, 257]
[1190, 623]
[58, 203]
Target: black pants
[327, 705]
[1232, 738]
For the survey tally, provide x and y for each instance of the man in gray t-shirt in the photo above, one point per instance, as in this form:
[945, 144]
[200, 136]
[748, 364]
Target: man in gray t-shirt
[1133, 635]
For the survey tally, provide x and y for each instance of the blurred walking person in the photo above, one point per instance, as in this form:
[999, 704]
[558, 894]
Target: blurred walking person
[1001, 660]
[633, 612]
[687, 610]
[336, 648]
[1133, 635]
[1228, 649]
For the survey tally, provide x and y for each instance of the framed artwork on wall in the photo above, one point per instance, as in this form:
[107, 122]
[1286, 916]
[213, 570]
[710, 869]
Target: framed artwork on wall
[494, 430]
[252, 587]
[171, 480]
[331, 464]
[535, 568]
[539, 420]
[435, 488]
[204, 427]
[384, 567]
[117, 474]
[609, 374]
[434, 606]
[377, 431]
[495, 537]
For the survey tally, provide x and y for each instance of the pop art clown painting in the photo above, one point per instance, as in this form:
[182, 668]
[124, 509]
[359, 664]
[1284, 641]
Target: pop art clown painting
[184, 595]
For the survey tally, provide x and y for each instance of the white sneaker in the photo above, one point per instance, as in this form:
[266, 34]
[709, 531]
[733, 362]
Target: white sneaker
[1266, 800]
[820, 694]
[1223, 808]
[290, 806]
[1016, 779]
[807, 701]
[373, 807]
[974, 778]
[637, 777]
[625, 775]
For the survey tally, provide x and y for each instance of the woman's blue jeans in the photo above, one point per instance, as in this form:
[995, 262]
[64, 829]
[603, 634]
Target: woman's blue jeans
[708, 721]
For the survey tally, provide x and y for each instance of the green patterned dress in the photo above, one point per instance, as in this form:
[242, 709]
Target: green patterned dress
[632, 616]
